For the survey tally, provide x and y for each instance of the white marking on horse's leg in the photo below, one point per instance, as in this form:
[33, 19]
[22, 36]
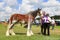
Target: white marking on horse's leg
[11, 31]
[28, 29]
[8, 29]
[8, 32]
[31, 32]
[28, 33]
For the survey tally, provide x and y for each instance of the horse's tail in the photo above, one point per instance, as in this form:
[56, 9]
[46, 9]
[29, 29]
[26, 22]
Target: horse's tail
[10, 20]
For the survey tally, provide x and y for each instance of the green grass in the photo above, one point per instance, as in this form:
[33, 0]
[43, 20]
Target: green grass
[21, 33]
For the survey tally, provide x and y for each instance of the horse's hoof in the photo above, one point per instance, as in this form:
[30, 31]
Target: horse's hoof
[13, 34]
[32, 34]
[7, 35]
[28, 35]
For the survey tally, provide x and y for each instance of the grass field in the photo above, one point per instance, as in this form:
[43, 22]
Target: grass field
[21, 33]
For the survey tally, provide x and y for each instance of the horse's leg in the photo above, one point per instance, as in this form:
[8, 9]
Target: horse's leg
[8, 29]
[20, 23]
[31, 30]
[7, 32]
[28, 29]
[12, 32]
[11, 28]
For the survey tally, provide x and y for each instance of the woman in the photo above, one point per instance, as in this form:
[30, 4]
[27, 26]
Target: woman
[46, 20]
[42, 27]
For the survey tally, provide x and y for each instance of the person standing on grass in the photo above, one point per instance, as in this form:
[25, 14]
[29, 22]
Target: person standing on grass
[41, 21]
[53, 23]
[46, 20]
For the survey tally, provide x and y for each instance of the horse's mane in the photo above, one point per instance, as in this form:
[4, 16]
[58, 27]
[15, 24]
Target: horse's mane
[33, 13]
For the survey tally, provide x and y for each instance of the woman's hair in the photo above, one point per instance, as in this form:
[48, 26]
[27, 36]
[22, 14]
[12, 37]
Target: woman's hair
[47, 14]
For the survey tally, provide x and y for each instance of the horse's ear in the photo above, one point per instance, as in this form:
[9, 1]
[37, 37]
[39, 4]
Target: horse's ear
[39, 9]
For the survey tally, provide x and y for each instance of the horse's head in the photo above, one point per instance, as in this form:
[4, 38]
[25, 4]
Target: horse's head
[34, 13]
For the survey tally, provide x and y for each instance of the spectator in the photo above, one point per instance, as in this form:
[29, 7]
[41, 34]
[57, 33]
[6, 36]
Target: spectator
[53, 23]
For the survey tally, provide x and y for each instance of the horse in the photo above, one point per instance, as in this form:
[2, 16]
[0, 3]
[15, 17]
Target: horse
[28, 18]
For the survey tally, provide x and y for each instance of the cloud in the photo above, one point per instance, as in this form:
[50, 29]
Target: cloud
[28, 5]
[9, 7]
[25, 7]
[35, 1]
[52, 10]
[2, 14]
[51, 3]
[9, 11]
[52, 7]
[49, 11]
[1, 4]
[11, 2]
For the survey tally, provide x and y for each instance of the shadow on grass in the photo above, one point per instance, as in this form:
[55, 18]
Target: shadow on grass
[38, 33]
[25, 33]
[20, 33]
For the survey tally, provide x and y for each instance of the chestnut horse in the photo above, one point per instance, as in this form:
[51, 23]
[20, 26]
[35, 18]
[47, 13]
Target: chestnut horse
[28, 18]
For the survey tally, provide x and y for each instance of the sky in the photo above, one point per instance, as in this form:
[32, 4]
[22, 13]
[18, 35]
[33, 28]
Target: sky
[9, 7]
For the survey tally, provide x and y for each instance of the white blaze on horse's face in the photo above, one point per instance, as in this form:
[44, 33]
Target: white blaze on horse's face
[41, 12]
